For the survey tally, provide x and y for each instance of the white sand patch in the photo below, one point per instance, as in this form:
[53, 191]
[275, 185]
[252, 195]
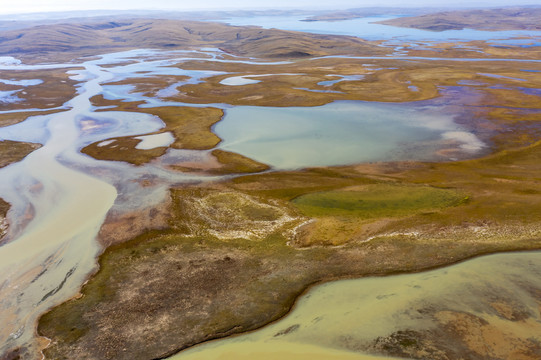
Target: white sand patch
[106, 142]
[9, 60]
[238, 80]
[153, 141]
[245, 79]
[469, 142]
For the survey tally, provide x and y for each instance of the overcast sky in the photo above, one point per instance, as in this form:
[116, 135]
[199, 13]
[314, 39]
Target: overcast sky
[25, 6]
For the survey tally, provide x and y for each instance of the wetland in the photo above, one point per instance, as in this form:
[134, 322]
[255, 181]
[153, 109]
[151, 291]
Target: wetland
[234, 173]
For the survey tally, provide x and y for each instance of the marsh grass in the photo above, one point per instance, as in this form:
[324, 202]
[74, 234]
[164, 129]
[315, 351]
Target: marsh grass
[184, 285]
[170, 289]
[233, 163]
[178, 289]
[55, 90]
[191, 128]
[123, 149]
[378, 200]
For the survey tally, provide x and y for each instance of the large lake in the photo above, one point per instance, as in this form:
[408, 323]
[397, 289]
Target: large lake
[368, 29]
[340, 133]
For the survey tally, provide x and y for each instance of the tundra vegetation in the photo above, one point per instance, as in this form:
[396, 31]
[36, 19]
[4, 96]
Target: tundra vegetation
[233, 255]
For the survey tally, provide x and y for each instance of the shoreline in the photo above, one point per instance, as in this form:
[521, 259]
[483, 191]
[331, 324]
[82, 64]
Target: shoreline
[311, 286]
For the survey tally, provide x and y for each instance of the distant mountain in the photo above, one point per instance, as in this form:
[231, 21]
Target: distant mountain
[49, 43]
[20, 21]
[527, 18]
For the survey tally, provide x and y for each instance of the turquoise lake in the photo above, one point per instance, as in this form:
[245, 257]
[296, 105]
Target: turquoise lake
[340, 133]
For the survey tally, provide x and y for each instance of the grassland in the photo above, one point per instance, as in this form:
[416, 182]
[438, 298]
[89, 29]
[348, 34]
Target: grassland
[384, 80]
[236, 163]
[377, 201]
[507, 117]
[55, 89]
[69, 41]
[14, 151]
[235, 254]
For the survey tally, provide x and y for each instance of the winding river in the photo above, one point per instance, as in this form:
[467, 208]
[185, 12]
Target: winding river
[56, 250]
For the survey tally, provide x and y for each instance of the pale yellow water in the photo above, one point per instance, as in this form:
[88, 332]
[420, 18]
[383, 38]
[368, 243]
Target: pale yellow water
[337, 319]
[273, 351]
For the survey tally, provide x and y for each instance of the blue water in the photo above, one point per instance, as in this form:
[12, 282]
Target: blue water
[341, 78]
[365, 28]
[339, 133]
[526, 43]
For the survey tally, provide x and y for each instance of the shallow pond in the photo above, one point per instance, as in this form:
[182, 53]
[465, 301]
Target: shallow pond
[343, 132]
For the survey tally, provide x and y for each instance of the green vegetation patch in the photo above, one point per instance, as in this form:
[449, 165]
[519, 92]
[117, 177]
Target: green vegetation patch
[378, 200]
[190, 128]
[123, 149]
[167, 290]
[236, 163]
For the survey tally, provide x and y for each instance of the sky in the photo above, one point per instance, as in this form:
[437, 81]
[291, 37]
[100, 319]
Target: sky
[27, 6]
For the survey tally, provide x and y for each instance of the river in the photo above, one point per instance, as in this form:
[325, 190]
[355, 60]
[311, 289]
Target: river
[58, 201]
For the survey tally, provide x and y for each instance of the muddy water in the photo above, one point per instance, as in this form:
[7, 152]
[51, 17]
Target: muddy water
[350, 315]
[52, 256]
[60, 197]
[277, 350]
